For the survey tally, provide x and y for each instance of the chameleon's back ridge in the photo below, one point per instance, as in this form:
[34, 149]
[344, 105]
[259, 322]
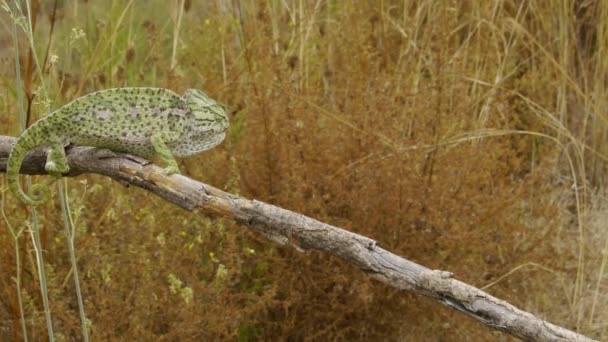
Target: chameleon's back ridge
[146, 122]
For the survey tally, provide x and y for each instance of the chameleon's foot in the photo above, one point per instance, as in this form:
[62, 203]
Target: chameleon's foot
[163, 151]
[169, 170]
[56, 168]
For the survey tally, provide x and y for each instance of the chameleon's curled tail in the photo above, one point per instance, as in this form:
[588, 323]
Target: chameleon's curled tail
[40, 192]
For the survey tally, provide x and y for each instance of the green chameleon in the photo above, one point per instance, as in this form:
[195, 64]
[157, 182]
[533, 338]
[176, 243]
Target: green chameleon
[146, 122]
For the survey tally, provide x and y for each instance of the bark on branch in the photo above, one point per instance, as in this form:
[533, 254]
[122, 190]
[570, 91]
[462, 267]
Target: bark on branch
[284, 226]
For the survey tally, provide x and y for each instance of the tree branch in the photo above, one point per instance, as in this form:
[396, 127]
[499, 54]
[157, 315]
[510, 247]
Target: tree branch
[284, 226]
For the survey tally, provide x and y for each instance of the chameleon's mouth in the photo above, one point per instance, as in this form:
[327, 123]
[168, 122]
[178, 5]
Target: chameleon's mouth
[198, 142]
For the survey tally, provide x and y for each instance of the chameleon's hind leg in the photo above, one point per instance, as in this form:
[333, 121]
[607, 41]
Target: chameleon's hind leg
[163, 151]
[56, 165]
[56, 161]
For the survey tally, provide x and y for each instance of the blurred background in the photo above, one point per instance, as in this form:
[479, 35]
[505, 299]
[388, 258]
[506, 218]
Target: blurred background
[468, 136]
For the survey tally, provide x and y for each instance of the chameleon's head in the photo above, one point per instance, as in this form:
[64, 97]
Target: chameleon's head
[208, 114]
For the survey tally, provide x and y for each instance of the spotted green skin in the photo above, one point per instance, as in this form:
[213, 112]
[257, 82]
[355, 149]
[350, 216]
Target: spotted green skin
[147, 122]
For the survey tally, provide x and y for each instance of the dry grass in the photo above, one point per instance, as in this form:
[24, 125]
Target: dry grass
[468, 136]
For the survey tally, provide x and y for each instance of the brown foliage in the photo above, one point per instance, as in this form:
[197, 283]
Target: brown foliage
[373, 116]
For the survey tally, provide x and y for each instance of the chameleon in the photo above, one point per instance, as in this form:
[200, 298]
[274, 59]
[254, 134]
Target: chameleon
[146, 122]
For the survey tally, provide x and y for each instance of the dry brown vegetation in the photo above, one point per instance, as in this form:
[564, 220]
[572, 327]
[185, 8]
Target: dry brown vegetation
[464, 135]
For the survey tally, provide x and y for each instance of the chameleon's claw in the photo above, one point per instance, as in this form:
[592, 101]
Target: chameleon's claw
[169, 170]
[54, 168]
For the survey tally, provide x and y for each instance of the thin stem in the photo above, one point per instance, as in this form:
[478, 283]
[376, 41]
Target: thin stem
[70, 234]
[16, 235]
[35, 233]
[178, 24]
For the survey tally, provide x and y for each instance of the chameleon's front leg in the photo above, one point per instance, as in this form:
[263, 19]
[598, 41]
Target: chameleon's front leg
[163, 151]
